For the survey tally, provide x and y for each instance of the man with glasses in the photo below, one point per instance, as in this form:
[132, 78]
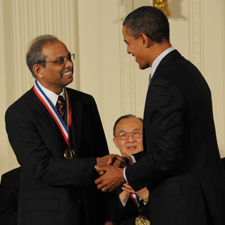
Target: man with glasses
[128, 138]
[57, 136]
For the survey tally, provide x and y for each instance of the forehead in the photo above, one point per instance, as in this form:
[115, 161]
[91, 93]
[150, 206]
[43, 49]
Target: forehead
[55, 49]
[125, 34]
[129, 124]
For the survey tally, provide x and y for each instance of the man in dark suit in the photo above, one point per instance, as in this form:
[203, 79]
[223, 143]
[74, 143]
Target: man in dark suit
[9, 194]
[57, 150]
[182, 163]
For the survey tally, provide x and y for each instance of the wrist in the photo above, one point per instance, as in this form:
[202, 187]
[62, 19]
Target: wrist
[145, 200]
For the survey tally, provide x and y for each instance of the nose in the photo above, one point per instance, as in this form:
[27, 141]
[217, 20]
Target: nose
[130, 138]
[68, 63]
[128, 51]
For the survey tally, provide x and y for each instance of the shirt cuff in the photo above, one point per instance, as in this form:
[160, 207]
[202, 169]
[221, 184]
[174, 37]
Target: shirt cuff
[124, 171]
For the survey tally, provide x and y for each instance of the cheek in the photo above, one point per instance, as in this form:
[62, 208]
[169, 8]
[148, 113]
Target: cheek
[140, 145]
[122, 148]
[124, 151]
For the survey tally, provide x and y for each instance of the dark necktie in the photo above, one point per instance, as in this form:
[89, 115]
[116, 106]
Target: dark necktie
[61, 107]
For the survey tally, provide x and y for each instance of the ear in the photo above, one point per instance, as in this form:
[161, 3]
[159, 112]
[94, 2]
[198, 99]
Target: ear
[38, 70]
[115, 142]
[145, 39]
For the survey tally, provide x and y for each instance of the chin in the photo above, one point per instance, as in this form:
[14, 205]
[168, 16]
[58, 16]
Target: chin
[143, 67]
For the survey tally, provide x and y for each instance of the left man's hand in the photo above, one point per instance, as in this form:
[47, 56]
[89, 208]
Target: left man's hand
[111, 179]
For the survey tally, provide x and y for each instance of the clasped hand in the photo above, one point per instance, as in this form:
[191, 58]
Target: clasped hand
[110, 169]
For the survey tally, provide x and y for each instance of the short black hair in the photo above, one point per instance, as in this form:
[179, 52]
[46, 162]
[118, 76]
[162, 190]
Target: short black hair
[124, 117]
[150, 21]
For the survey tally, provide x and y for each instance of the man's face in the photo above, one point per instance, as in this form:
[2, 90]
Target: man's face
[54, 77]
[130, 145]
[136, 48]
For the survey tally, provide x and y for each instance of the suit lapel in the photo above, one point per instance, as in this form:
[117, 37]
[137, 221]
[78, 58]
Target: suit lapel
[76, 124]
[166, 59]
[157, 73]
[43, 113]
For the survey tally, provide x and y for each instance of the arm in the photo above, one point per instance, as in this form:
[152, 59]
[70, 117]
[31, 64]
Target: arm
[39, 146]
[163, 141]
[8, 201]
[164, 135]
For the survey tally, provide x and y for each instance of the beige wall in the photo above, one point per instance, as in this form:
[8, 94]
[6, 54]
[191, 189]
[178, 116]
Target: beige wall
[92, 30]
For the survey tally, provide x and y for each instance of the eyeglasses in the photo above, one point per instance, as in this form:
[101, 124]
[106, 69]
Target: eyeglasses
[125, 135]
[62, 60]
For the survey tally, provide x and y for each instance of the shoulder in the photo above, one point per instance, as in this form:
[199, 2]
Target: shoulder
[12, 173]
[80, 96]
[11, 177]
[25, 99]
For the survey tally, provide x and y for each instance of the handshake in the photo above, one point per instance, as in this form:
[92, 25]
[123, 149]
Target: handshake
[114, 160]
[110, 169]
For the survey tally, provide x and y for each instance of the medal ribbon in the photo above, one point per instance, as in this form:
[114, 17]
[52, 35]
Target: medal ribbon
[135, 200]
[65, 130]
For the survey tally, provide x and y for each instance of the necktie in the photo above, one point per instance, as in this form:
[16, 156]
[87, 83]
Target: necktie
[61, 107]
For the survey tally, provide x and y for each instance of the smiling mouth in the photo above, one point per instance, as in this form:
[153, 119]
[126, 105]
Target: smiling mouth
[132, 147]
[67, 73]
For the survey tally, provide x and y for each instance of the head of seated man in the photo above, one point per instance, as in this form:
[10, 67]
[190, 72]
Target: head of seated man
[127, 133]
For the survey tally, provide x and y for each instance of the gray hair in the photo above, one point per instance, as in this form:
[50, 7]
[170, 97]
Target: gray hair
[150, 21]
[35, 55]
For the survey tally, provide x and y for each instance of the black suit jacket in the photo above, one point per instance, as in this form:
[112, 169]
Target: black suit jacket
[55, 190]
[182, 163]
[9, 194]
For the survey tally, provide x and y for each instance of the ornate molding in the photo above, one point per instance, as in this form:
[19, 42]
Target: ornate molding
[128, 100]
[196, 33]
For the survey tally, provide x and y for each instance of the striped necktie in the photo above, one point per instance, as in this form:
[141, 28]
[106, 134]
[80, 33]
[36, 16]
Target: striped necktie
[61, 107]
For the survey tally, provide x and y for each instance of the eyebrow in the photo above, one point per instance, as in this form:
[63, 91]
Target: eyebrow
[63, 56]
[127, 132]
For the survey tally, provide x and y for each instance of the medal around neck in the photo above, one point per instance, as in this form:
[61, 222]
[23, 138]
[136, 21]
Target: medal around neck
[142, 220]
[69, 153]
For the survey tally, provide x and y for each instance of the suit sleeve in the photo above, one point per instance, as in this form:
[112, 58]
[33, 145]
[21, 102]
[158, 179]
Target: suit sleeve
[39, 146]
[163, 135]
[8, 204]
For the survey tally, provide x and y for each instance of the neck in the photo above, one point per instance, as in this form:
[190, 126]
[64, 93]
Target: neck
[56, 89]
[158, 48]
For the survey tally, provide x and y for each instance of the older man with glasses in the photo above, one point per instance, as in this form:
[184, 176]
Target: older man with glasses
[128, 138]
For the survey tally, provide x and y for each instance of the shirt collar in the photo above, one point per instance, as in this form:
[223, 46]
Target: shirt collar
[51, 95]
[159, 59]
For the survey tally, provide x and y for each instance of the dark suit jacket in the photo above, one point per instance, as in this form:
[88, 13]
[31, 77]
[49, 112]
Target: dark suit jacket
[223, 162]
[182, 164]
[9, 194]
[56, 191]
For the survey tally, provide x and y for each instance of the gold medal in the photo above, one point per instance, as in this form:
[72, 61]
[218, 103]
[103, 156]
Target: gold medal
[69, 153]
[142, 220]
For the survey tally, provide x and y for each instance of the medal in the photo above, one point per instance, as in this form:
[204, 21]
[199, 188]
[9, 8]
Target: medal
[142, 220]
[69, 153]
